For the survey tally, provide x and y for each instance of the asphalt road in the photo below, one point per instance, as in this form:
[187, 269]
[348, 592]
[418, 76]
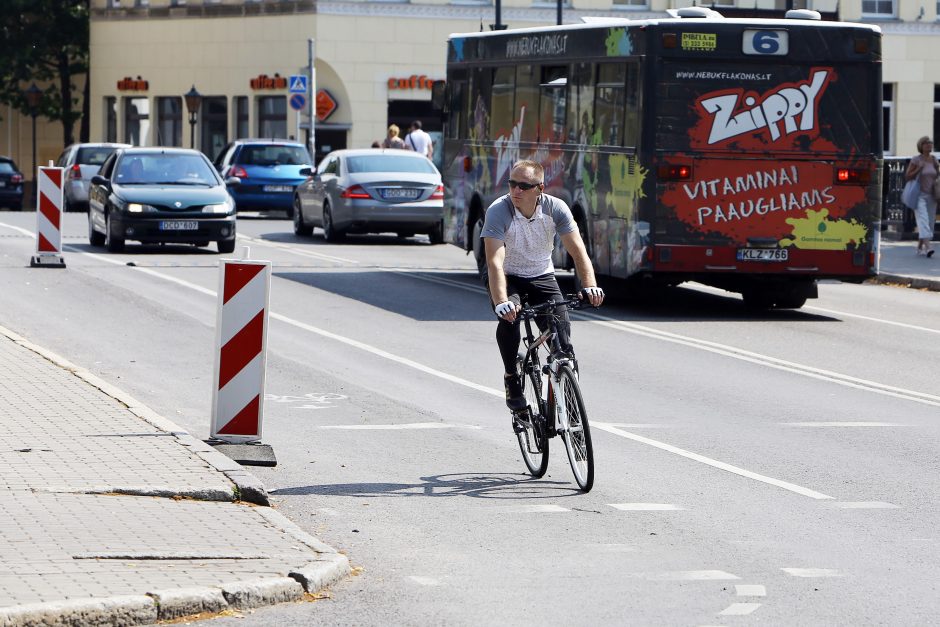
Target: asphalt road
[778, 468]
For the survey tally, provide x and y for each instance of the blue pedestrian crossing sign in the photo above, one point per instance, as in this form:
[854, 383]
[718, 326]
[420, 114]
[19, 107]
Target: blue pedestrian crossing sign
[298, 84]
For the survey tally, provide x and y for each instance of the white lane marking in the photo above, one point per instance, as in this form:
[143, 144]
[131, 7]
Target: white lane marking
[865, 505]
[692, 575]
[533, 509]
[297, 251]
[394, 427]
[844, 424]
[640, 425]
[17, 228]
[750, 590]
[148, 271]
[424, 581]
[739, 609]
[914, 327]
[812, 572]
[765, 360]
[711, 462]
[645, 507]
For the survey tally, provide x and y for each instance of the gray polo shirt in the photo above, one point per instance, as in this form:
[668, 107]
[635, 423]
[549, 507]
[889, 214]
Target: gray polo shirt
[529, 242]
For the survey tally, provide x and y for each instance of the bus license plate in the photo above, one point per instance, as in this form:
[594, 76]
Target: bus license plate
[763, 254]
[179, 225]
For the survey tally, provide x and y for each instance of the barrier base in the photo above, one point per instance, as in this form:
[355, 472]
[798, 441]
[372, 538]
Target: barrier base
[247, 453]
[46, 261]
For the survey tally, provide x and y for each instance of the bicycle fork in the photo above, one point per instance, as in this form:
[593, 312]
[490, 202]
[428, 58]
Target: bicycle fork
[556, 396]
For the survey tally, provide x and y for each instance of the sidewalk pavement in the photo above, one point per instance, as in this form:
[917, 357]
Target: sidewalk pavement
[899, 264]
[113, 515]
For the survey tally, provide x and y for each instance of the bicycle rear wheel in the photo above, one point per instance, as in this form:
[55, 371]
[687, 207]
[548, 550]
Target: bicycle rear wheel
[577, 437]
[529, 425]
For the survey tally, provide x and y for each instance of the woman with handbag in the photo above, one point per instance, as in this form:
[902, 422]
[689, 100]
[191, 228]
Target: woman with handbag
[924, 168]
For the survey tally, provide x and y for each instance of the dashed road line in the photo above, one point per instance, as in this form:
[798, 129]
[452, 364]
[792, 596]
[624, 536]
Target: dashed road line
[750, 590]
[812, 572]
[739, 609]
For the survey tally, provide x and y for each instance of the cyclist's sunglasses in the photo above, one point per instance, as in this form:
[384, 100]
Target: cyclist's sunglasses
[522, 185]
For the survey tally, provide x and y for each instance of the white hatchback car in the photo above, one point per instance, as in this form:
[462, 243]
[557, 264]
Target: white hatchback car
[81, 162]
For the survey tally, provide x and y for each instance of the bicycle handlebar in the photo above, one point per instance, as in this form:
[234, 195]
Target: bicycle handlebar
[572, 301]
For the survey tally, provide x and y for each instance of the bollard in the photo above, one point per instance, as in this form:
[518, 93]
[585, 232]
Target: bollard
[49, 203]
[240, 343]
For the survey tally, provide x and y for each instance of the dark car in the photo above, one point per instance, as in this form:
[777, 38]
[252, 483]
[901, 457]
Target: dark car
[11, 184]
[169, 195]
[371, 191]
[269, 170]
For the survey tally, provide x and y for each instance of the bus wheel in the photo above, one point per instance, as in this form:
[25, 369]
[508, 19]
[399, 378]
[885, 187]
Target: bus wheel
[757, 299]
[790, 301]
[478, 253]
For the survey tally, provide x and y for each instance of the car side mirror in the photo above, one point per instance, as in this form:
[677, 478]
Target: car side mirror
[100, 180]
[233, 181]
[306, 172]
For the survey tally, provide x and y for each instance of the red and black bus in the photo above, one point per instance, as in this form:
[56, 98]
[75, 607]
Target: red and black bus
[740, 153]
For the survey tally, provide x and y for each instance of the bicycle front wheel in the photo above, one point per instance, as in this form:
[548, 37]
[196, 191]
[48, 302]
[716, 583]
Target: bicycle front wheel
[577, 437]
[529, 425]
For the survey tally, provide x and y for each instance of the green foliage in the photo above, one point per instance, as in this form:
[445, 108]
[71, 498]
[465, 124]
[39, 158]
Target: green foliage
[46, 42]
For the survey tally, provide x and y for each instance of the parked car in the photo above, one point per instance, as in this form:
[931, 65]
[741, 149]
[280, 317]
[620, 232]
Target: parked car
[11, 184]
[371, 191]
[269, 170]
[170, 195]
[81, 162]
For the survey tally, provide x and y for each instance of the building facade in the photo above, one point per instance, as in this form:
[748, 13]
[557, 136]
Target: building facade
[373, 64]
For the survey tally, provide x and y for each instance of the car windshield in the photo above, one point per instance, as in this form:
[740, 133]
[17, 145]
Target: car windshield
[389, 163]
[93, 156]
[7, 168]
[164, 169]
[274, 155]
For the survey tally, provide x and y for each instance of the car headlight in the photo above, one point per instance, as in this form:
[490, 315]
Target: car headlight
[135, 207]
[219, 208]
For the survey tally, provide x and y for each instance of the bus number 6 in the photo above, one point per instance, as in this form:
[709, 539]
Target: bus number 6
[770, 42]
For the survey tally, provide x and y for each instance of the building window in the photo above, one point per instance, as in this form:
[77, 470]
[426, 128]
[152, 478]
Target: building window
[136, 121]
[633, 4]
[272, 117]
[887, 110]
[170, 121]
[214, 125]
[110, 119]
[878, 8]
[608, 107]
[241, 116]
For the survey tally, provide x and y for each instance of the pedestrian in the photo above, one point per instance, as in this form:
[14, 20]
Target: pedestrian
[924, 167]
[419, 141]
[519, 237]
[393, 140]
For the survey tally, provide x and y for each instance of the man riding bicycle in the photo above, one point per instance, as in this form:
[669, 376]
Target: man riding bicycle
[519, 238]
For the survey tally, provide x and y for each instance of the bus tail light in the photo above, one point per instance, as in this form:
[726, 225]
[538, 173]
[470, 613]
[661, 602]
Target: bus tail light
[852, 176]
[467, 164]
[673, 172]
[670, 40]
[356, 191]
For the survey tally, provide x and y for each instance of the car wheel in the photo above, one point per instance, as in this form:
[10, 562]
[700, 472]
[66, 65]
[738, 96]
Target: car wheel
[436, 235]
[113, 244]
[226, 246]
[94, 237]
[300, 227]
[330, 233]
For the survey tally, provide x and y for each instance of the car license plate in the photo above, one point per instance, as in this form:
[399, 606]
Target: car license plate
[179, 225]
[278, 188]
[397, 193]
[763, 254]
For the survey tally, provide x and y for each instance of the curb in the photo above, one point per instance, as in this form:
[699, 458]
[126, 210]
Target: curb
[247, 487]
[920, 283]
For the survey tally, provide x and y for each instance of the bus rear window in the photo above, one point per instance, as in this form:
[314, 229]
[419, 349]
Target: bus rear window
[766, 108]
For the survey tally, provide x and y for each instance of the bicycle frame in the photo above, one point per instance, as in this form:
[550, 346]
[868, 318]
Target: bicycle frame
[555, 359]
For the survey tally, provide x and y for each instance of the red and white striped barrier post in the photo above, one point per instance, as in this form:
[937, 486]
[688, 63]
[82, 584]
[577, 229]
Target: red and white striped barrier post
[240, 342]
[49, 203]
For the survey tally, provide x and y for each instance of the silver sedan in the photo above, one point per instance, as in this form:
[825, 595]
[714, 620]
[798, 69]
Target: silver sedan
[371, 191]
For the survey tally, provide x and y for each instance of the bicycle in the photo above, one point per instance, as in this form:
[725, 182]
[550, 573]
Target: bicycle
[544, 418]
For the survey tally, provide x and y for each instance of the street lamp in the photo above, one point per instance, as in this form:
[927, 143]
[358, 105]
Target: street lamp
[193, 102]
[33, 98]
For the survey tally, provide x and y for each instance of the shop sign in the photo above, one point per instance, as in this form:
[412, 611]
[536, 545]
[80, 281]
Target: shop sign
[129, 84]
[263, 81]
[412, 82]
[326, 105]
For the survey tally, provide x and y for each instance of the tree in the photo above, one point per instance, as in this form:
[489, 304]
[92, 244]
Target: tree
[46, 42]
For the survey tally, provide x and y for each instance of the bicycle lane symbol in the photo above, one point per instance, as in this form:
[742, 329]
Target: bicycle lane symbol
[312, 400]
